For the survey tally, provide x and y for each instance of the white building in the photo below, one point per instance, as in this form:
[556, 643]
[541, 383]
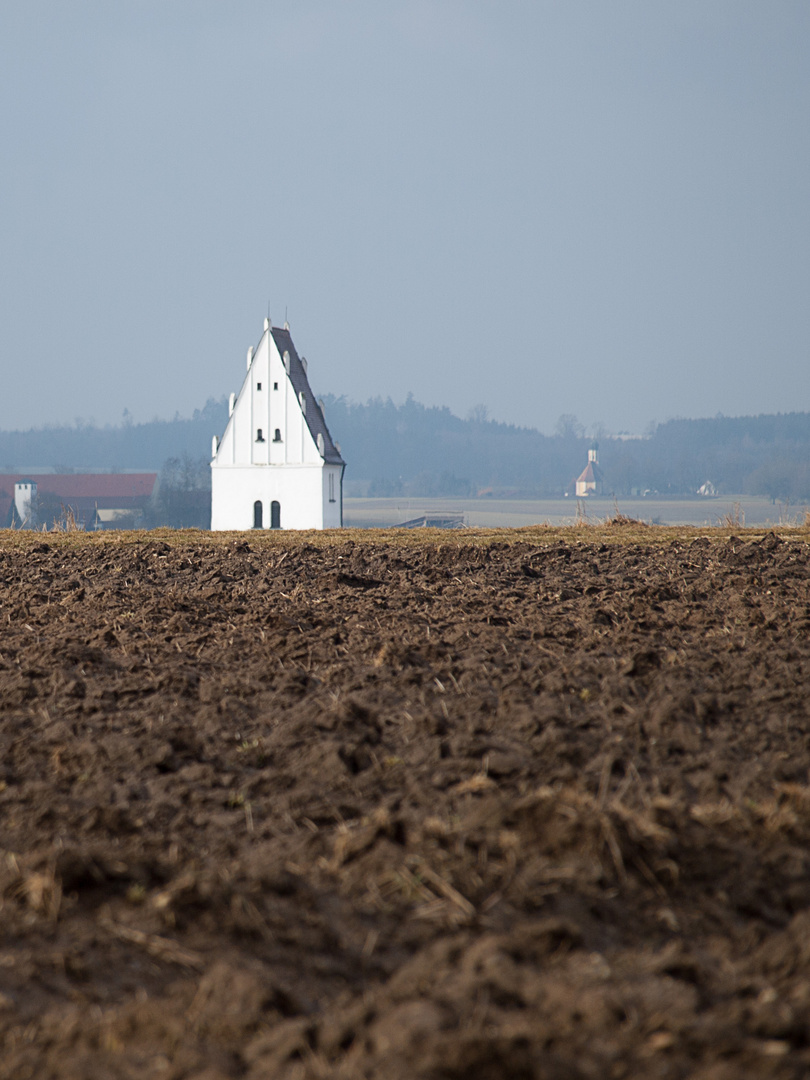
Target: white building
[25, 501]
[590, 480]
[276, 466]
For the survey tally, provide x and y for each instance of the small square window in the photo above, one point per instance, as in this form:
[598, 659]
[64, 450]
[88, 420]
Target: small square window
[275, 386]
[258, 386]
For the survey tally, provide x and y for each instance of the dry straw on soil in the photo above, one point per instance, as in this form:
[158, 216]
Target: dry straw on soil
[518, 803]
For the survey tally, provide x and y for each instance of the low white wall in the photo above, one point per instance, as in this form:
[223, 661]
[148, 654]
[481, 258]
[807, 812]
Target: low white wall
[300, 489]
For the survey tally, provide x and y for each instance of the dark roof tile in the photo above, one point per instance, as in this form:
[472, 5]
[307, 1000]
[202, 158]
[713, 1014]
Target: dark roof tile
[298, 377]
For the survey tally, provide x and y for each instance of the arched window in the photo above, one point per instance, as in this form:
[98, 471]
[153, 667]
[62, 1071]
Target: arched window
[259, 435]
[257, 514]
[277, 435]
[275, 515]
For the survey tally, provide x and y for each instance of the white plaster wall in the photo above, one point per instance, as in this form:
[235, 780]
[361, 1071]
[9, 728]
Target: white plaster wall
[299, 490]
[23, 496]
[257, 415]
[268, 409]
[290, 471]
[332, 510]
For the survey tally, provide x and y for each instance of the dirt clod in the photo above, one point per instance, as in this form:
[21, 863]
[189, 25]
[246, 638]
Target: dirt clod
[440, 809]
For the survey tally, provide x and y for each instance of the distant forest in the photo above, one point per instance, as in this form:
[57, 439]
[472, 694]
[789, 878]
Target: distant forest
[415, 450]
[412, 449]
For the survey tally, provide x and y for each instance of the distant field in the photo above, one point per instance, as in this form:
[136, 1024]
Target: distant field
[502, 513]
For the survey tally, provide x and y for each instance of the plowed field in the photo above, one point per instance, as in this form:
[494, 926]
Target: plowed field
[391, 806]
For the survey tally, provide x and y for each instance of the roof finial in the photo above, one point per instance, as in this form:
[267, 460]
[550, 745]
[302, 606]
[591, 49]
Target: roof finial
[286, 324]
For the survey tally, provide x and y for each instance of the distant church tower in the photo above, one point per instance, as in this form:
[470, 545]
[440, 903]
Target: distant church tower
[590, 480]
[276, 466]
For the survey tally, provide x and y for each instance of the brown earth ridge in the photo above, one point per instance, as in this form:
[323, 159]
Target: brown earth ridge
[459, 806]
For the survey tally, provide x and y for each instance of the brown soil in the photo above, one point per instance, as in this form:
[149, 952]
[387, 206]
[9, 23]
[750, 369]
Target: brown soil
[370, 807]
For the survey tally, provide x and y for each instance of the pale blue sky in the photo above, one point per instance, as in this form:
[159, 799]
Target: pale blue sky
[596, 207]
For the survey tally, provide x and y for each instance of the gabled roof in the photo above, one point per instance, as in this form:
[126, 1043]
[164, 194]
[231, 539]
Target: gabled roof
[591, 474]
[300, 383]
[434, 521]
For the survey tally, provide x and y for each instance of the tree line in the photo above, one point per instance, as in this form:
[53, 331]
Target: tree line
[416, 450]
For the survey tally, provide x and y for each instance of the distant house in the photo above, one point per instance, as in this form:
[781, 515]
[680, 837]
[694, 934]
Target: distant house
[590, 480]
[276, 466]
[92, 500]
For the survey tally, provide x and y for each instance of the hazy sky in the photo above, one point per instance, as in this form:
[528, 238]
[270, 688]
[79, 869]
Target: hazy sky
[598, 207]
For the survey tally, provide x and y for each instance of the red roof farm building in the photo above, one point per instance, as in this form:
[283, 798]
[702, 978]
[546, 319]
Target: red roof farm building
[95, 500]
